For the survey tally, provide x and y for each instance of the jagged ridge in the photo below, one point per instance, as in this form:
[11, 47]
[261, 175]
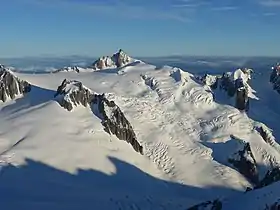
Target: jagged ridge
[244, 161]
[11, 85]
[234, 83]
[275, 77]
[69, 69]
[115, 122]
[73, 93]
[117, 60]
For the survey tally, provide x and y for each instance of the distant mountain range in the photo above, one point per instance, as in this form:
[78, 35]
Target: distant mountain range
[184, 140]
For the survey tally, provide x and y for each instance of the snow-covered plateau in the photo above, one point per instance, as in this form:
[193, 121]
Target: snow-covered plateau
[125, 134]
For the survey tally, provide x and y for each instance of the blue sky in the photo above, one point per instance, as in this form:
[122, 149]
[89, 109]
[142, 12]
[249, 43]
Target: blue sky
[141, 28]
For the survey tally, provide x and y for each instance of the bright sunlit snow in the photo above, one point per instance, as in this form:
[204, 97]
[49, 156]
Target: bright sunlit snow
[51, 158]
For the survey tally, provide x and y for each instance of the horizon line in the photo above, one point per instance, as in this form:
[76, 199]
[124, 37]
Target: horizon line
[137, 56]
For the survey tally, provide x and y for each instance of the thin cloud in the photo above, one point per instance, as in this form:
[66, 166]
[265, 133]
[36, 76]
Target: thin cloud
[186, 5]
[197, 4]
[269, 14]
[189, 4]
[118, 8]
[227, 8]
[270, 3]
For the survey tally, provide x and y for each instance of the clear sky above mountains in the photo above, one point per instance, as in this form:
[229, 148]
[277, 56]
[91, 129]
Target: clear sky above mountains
[142, 28]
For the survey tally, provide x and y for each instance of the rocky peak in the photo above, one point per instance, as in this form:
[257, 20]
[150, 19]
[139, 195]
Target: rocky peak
[121, 58]
[73, 93]
[266, 134]
[69, 69]
[234, 83]
[117, 60]
[243, 160]
[11, 85]
[275, 77]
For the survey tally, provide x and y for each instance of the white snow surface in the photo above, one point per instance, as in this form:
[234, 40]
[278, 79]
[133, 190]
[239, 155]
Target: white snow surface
[239, 74]
[54, 159]
[76, 69]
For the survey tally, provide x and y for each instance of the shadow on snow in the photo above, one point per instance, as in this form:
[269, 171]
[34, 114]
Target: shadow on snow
[36, 185]
[36, 97]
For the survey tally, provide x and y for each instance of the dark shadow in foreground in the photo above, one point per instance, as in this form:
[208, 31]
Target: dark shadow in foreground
[38, 186]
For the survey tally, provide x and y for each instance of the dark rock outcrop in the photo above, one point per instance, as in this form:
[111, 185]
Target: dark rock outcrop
[121, 58]
[103, 63]
[210, 80]
[117, 60]
[244, 161]
[241, 99]
[266, 134]
[227, 84]
[271, 176]
[11, 85]
[115, 122]
[233, 83]
[72, 93]
[275, 77]
[68, 69]
[274, 206]
[213, 205]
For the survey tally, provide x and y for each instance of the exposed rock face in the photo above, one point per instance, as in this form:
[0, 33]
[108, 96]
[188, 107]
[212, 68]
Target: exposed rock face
[227, 84]
[243, 160]
[275, 206]
[72, 93]
[234, 83]
[117, 60]
[271, 176]
[68, 69]
[275, 77]
[115, 122]
[121, 58]
[208, 205]
[242, 100]
[103, 63]
[266, 134]
[11, 85]
[211, 81]
[264, 199]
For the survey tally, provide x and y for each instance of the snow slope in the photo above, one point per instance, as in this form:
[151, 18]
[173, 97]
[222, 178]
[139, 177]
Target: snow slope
[52, 158]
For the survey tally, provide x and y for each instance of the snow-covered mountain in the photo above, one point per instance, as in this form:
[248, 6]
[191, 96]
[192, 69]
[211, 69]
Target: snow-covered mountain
[190, 142]
[76, 69]
[117, 60]
[10, 85]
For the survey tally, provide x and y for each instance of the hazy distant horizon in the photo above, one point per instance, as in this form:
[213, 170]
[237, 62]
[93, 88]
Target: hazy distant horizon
[138, 56]
[193, 64]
